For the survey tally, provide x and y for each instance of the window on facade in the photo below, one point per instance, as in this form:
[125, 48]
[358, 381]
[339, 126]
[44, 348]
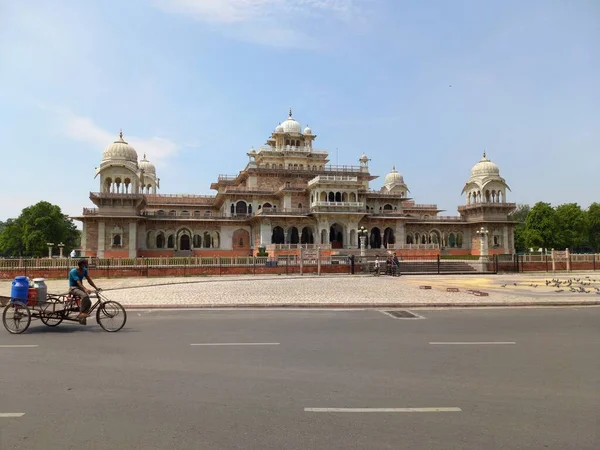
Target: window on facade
[197, 240]
[171, 241]
[160, 240]
[117, 240]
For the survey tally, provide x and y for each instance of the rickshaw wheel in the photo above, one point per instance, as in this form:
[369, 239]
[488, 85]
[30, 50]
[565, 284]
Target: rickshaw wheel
[51, 318]
[16, 318]
[111, 316]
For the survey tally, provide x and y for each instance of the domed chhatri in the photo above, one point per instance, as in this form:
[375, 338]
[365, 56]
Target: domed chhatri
[485, 167]
[485, 185]
[291, 125]
[307, 131]
[120, 150]
[393, 178]
[147, 166]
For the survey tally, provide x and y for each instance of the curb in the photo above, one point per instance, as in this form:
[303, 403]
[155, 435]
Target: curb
[361, 305]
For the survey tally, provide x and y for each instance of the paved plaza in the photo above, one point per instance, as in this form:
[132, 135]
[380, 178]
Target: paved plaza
[343, 290]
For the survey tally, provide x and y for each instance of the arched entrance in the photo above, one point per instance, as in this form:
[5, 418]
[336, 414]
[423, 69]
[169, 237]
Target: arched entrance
[388, 237]
[307, 236]
[278, 236]
[336, 236]
[240, 239]
[184, 242]
[241, 209]
[293, 236]
[375, 240]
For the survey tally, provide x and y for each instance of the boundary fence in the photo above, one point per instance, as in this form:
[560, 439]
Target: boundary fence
[54, 268]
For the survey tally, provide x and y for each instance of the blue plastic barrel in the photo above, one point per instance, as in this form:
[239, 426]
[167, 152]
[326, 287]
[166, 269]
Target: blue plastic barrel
[19, 290]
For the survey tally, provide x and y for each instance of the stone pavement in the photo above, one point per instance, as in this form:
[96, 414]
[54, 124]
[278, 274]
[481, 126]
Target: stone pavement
[341, 290]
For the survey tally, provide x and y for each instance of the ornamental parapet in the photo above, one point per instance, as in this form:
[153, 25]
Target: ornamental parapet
[332, 179]
[476, 205]
[282, 211]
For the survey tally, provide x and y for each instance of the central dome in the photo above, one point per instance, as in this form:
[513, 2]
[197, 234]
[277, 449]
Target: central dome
[394, 177]
[291, 125]
[485, 167]
[120, 150]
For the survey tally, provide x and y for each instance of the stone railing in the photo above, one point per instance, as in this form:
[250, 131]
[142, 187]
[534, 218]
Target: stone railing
[279, 211]
[480, 204]
[336, 204]
[439, 219]
[291, 148]
[413, 246]
[413, 205]
[327, 179]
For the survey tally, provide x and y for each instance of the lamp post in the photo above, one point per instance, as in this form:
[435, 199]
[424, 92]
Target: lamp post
[483, 245]
[362, 235]
[60, 249]
[50, 245]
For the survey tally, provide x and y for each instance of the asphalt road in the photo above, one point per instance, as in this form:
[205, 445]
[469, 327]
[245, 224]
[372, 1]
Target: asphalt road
[512, 378]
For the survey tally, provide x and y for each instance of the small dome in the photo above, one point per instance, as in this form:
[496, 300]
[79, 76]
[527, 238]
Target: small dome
[147, 166]
[307, 131]
[393, 178]
[485, 167]
[291, 125]
[120, 150]
[363, 158]
[279, 129]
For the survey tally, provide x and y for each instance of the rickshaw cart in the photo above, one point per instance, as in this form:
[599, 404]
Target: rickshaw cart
[18, 313]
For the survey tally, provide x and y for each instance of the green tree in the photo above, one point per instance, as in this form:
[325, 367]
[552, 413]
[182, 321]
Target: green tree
[520, 215]
[573, 226]
[28, 234]
[541, 227]
[593, 225]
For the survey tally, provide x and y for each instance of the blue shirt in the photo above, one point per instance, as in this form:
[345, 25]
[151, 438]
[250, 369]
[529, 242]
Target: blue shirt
[74, 276]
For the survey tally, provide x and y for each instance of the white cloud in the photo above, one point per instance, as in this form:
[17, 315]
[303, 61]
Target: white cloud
[157, 149]
[268, 22]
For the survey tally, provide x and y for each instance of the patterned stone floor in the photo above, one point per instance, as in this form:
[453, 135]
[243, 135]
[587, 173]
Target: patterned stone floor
[340, 290]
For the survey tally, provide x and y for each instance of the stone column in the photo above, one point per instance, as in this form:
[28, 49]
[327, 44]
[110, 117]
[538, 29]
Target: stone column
[141, 236]
[505, 239]
[101, 234]
[265, 233]
[400, 234]
[132, 239]
[83, 239]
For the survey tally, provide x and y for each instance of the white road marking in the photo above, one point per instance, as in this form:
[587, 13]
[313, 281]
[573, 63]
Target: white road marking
[472, 343]
[237, 343]
[18, 346]
[6, 415]
[365, 410]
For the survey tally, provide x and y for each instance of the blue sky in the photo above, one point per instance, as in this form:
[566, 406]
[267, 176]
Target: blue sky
[195, 83]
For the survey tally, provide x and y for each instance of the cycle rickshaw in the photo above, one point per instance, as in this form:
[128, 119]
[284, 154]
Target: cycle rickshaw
[18, 313]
